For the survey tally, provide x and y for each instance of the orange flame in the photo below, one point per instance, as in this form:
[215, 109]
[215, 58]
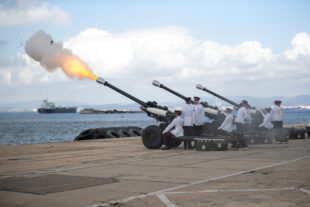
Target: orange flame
[74, 66]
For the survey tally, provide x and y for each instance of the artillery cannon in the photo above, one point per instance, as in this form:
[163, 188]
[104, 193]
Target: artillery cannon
[211, 112]
[200, 87]
[257, 117]
[252, 131]
[151, 135]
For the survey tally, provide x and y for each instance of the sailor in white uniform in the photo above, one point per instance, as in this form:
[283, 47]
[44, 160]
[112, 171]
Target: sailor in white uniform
[177, 128]
[277, 115]
[187, 114]
[227, 125]
[198, 117]
[266, 125]
[243, 117]
[243, 114]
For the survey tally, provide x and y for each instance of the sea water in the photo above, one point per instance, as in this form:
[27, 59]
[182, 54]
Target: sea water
[31, 127]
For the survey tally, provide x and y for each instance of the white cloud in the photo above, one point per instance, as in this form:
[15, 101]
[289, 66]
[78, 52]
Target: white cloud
[171, 53]
[300, 46]
[132, 59]
[5, 77]
[21, 12]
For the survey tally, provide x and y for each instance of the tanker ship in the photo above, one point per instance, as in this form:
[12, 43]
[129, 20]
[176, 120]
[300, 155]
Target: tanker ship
[49, 107]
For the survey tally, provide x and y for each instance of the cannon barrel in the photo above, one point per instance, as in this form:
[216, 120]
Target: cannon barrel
[210, 111]
[152, 109]
[151, 135]
[103, 82]
[158, 84]
[256, 114]
[200, 87]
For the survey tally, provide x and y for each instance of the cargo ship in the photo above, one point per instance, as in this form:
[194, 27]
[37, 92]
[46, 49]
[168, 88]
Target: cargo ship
[49, 107]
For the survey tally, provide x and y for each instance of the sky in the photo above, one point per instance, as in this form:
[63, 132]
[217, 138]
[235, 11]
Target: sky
[235, 48]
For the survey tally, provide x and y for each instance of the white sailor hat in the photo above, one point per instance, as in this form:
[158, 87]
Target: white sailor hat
[228, 109]
[178, 109]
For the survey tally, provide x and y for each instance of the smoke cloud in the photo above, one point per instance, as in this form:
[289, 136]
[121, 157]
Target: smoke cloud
[52, 55]
[41, 48]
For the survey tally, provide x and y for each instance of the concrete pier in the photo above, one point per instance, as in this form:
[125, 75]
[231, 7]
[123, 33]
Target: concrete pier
[122, 172]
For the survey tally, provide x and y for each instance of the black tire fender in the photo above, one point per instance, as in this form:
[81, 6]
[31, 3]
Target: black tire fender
[152, 137]
[86, 135]
[134, 132]
[123, 132]
[101, 133]
[113, 134]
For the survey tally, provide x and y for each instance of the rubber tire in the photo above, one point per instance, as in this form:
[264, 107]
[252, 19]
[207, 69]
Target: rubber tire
[152, 137]
[101, 133]
[113, 134]
[86, 135]
[292, 133]
[175, 142]
[280, 135]
[301, 134]
[135, 132]
[124, 133]
[172, 142]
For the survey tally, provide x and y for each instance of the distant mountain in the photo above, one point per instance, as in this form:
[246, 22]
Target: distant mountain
[302, 100]
[263, 102]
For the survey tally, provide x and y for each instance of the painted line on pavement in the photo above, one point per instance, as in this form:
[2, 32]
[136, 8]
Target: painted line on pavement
[304, 190]
[200, 182]
[233, 190]
[167, 202]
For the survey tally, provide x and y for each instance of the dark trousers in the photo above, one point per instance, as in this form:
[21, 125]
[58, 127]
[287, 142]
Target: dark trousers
[197, 130]
[167, 139]
[188, 131]
[240, 138]
[277, 124]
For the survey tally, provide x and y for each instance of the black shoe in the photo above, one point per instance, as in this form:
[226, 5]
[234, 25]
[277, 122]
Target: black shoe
[165, 148]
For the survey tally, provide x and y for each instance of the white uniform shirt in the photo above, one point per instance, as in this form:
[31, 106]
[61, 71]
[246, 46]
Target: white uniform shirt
[187, 114]
[266, 123]
[227, 124]
[177, 123]
[277, 113]
[243, 115]
[199, 115]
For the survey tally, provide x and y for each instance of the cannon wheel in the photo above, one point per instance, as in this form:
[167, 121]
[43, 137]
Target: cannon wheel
[175, 142]
[172, 142]
[280, 135]
[151, 137]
